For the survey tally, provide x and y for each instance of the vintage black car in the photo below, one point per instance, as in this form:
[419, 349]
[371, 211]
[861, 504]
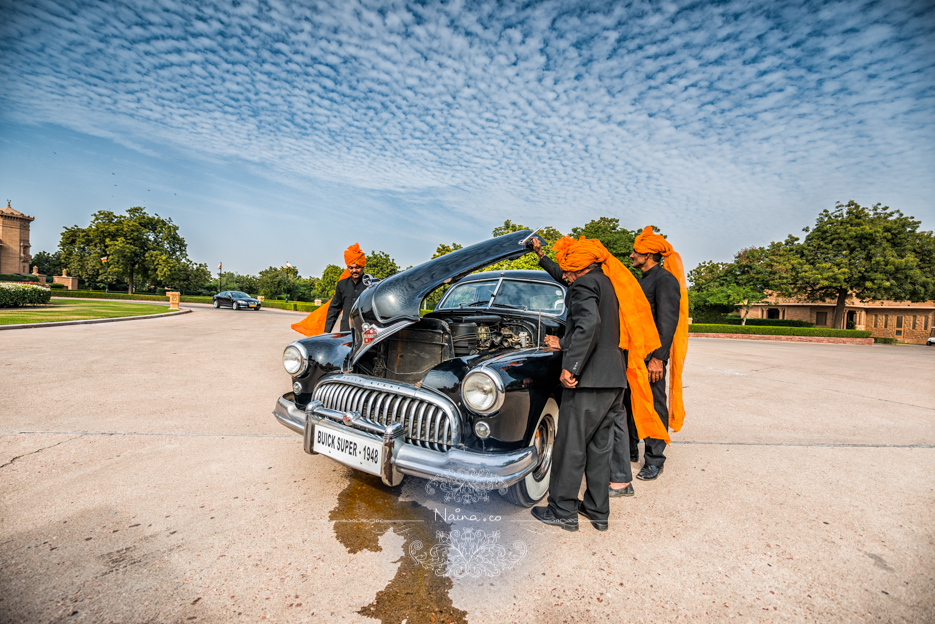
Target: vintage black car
[236, 300]
[465, 394]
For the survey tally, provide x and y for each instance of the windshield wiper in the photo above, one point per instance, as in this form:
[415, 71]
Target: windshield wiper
[508, 305]
[476, 303]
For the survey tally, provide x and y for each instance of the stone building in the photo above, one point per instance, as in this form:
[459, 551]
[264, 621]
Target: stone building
[14, 241]
[902, 320]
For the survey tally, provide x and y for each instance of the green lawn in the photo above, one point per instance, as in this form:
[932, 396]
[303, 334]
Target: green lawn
[75, 311]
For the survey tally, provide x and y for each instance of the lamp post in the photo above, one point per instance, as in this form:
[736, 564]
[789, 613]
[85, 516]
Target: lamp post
[106, 274]
[220, 264]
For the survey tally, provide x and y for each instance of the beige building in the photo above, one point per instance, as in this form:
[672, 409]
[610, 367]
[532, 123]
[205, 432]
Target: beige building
[14, 241]
[902, 320]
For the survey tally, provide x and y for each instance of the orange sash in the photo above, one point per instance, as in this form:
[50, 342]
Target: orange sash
[637, 330]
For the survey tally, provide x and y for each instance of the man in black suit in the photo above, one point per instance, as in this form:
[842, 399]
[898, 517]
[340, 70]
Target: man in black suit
[663, 293]
[594, 377]
[347, 289]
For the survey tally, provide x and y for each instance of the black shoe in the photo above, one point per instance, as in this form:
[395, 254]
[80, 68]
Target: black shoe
[600, 526]
[625, 491]
[649, 472]
[544, 514]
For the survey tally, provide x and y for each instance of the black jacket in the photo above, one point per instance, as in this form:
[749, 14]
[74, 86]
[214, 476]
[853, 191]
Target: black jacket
[662, 291]
[345, 295]
[591, 345]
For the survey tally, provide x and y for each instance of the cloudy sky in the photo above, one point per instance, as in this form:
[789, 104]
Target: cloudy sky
[284, 131]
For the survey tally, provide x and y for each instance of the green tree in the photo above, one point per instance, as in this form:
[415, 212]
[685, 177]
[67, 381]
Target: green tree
[329, 280]
[276, 281]
[249, 284]
[706, 273]
[48, 264]
[719, 287]
[185, 276]
[141, 248]
[735, 295]
[703, 281]
[380, 265]
[443, 249]
[617, 240]
[528, 262]
[867, 253]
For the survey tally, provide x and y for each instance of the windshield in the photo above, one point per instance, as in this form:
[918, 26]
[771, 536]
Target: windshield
[473, 294]
[239, 295]
[531, 296]
[534, 296]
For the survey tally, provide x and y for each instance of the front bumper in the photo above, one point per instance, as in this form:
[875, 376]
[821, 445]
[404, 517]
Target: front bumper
[481, 470]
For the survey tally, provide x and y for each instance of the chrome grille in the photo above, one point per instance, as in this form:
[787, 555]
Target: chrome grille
[427, 421]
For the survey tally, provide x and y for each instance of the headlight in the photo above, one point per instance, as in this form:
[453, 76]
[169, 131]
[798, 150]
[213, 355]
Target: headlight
[294, 360]
[482, 391]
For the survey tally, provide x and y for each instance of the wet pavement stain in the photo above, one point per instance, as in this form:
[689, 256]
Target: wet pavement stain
[366, 510]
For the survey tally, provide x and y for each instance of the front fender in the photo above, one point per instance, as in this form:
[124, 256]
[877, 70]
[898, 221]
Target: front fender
[530, 378]
[327, 354]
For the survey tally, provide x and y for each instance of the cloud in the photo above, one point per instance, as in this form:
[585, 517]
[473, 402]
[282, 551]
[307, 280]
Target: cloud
[693, 112]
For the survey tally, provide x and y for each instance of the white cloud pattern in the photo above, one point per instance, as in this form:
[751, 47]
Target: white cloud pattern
[693, 109]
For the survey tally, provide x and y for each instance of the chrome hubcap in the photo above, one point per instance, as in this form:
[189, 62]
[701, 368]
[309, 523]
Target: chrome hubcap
[543, 441]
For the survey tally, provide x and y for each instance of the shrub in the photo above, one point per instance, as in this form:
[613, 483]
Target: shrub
[777, 331]
[735, 320]
[14, 294]
[57, 286]
[883, 340]
[16, 277]
[292, 305]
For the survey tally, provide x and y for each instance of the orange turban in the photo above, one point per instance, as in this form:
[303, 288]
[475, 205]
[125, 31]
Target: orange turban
[314, 323]
[355, 255]
[637, 329]
[648, 242]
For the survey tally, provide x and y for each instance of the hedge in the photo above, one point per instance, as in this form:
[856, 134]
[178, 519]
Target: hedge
[15, 294]
[777, 331]
[300, 306]
[16, 277]
[884, 340]
[759, 322]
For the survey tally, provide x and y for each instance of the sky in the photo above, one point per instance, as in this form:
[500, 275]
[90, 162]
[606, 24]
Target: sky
[276, 132]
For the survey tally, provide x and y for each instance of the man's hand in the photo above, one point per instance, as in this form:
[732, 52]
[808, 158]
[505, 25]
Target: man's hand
[552, 343]
[655, 369]
[568, 380]
[537, 246]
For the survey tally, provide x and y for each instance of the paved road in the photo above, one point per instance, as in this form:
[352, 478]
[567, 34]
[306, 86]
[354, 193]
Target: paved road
[143, 479]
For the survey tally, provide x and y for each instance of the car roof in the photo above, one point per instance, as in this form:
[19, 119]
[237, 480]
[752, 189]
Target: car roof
[539, 276]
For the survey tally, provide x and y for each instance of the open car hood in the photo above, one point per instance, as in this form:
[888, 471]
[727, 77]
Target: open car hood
[399, 297]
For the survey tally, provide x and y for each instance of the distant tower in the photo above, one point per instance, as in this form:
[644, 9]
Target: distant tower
[14, 240]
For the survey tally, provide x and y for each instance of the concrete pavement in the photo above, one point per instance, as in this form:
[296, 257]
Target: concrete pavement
[143, 479]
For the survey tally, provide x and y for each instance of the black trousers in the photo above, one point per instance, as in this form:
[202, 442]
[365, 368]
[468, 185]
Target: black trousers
[620, 470]
[654, 453]
[583, 444]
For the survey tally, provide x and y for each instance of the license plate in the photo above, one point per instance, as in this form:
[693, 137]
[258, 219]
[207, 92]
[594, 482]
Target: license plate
[252, 305]
[351, 449]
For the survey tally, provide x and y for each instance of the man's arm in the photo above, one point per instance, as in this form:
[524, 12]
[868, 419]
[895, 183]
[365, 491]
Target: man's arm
[577, 348]
[551, 267]
[668, 297]
[337, 305]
